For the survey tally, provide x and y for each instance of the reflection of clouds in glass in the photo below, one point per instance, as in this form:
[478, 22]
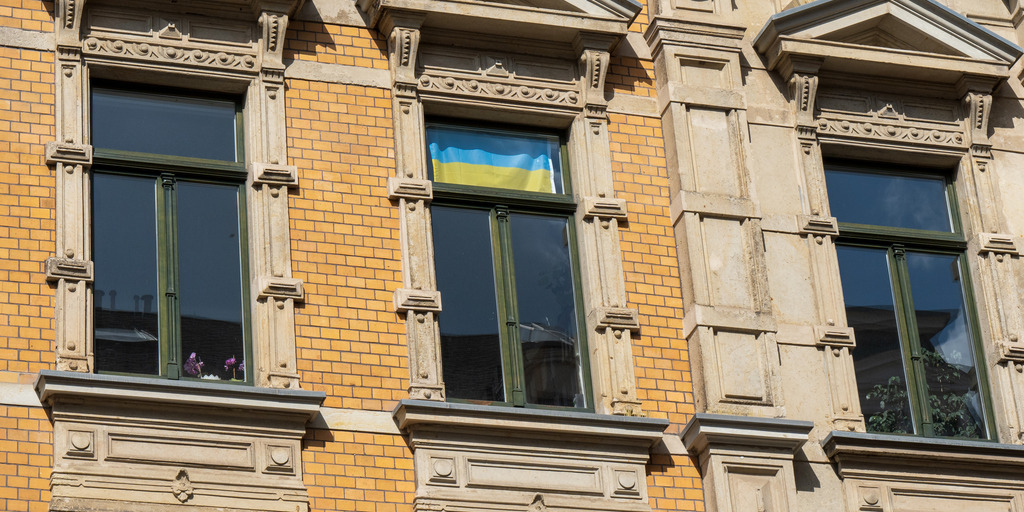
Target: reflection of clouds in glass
[953, 343]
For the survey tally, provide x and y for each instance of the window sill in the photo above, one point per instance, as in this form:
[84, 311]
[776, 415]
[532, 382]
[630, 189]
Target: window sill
[52, 386]
[858, 451]
[508, 458]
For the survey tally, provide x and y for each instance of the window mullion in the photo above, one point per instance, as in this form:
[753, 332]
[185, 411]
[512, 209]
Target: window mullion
[917, 385]
[171, 324]
[514, 385]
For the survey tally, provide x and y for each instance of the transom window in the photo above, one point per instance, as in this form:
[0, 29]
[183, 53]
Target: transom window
[908, 299]
[170, 295]
[507, 268]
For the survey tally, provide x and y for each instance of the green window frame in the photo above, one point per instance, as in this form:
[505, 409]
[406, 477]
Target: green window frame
[191, 240]
[498, 218]
[938, 387]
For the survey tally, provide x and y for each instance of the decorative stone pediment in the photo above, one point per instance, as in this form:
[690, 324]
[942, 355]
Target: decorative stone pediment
[918, 40]
[545, 20]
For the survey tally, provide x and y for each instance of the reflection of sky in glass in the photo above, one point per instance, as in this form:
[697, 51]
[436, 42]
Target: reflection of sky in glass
[914, 202]
[163, 124]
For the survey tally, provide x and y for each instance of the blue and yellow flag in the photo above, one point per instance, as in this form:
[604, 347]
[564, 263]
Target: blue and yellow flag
[486, 158]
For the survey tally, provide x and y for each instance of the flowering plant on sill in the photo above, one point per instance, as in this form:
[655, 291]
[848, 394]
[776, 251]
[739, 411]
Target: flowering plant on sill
[232, 368]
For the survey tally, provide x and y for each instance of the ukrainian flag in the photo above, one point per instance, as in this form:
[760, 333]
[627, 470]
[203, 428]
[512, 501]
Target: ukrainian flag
[497, 159]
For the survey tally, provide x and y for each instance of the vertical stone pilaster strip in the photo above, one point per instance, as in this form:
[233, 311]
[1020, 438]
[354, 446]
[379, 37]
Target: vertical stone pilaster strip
[995, 261]
[418, 298]
[834, 339]
[610, 322]
[275, 291]
[71, 156]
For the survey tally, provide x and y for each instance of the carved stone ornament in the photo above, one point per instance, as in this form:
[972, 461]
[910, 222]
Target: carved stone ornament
[417, 300]
[815, 225]
[881, 130]
[410, 188]
[150, 51]
[181, 487]
[997, 243]
[616, 318]
[604, 207]
[280, 288]
[831, 336]
[68, 153]
[507, 90]
[69, 268]
[275, 174]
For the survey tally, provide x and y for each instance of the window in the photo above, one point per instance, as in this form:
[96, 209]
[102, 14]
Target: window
[506, 263]
[170, 296]
[908, 299]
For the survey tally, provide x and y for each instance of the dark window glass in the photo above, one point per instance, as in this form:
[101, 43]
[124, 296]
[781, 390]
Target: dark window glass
[470, 342]
[947, 349]
[907, 303]
[900, 201]
[164, 124]
[878, 358]
[546, 302]
[125, 291]
[210, 278]
[506, 270]
[171, 282]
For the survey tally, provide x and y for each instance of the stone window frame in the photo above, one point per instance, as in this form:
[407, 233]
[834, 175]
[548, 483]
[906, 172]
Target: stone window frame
[578, 107]
[791, 44]
[164, 53]
[503, 203]
[955, 243]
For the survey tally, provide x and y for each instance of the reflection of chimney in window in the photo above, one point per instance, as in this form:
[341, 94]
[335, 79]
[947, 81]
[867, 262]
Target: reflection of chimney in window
[147, 303]
[98, 294]
[136, 299]
[113, 299]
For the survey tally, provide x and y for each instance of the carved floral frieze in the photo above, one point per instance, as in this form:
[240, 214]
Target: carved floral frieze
[149, 51]
[499, 89]
[876, 129]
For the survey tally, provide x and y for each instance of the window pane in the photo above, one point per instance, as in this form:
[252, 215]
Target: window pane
[900, 201]
[125, 292]
[491, 158]
[878, 358]
[163, 124]
[210, 280]
[470, 341]
[946, 345]
[545, 296]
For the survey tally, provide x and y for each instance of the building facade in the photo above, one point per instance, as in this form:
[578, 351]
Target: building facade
[492, 255]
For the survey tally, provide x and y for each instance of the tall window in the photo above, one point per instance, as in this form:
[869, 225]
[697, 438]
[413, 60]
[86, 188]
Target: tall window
[506, 263]
[170, 295]
[908, 299]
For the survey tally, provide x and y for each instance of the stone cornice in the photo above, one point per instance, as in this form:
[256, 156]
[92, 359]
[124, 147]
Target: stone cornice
[52, 386]
[547, 24]
[706, 432]
[856, 453]
[579, 426]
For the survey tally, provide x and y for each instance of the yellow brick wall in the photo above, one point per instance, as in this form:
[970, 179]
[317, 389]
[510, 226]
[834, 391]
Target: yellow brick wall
[356, 471]
[345, 244]
[26, 459]
[26, 210]
[336, 44]
[27, 15]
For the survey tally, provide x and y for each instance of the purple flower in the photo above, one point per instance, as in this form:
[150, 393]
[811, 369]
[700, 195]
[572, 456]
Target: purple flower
[241, 367]
[193, 365]
[229, 363]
